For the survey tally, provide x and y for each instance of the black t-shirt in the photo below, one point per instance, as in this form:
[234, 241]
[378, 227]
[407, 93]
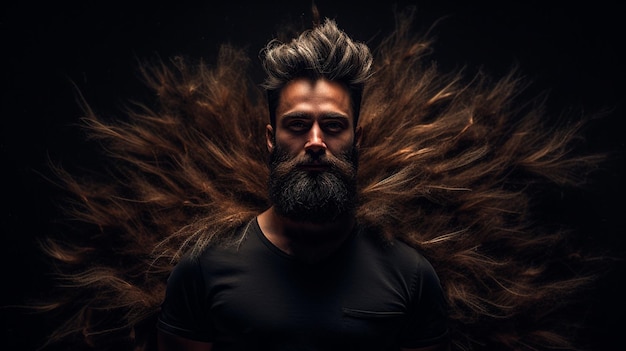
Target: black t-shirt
[253, 296]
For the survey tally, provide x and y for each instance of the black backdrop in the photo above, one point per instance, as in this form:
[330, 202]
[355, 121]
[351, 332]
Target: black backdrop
[574, 51]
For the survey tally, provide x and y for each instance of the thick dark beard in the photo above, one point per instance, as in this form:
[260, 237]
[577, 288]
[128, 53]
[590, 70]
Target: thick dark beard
[314, 197]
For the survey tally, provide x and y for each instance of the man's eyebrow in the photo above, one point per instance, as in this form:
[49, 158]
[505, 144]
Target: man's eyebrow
[332, 115]
[296, 115]
[304, 115]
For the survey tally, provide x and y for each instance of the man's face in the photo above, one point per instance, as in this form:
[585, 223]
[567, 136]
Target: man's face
[313, 152]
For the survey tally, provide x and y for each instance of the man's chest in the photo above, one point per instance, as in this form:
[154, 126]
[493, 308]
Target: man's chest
[351, 300]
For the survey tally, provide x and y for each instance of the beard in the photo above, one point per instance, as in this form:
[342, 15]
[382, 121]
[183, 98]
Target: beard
[313, 196]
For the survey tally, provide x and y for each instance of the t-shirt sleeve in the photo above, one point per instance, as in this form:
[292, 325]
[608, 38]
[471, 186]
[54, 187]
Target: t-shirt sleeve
[428, 318]
[183, 311]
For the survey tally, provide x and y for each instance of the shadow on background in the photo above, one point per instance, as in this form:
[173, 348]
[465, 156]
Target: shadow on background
[571, 51]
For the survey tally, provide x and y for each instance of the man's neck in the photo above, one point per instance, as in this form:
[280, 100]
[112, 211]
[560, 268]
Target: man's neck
[307, 241]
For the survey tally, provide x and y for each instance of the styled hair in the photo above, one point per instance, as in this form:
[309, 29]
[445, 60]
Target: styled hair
[460, 166]
[324, 51]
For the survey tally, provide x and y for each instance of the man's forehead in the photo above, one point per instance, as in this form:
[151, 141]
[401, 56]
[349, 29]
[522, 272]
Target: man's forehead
[314, 97]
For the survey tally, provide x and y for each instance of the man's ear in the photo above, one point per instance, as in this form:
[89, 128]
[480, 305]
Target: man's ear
[358, 133]
[269, 137]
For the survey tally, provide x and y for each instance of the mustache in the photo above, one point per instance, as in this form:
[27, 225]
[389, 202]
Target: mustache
[343, 164]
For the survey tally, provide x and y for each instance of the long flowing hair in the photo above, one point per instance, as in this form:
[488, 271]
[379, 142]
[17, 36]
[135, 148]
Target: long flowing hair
[457, 165]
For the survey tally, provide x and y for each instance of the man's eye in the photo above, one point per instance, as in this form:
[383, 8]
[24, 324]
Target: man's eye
[334, 126]
[297, 125]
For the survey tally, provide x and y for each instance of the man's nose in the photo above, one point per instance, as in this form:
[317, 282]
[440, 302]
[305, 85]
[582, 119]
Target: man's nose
[315, 143]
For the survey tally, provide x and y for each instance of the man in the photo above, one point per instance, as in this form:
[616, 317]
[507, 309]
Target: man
[304, 274]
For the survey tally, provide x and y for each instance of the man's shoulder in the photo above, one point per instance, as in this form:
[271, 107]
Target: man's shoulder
[228, 242]
[394, 248]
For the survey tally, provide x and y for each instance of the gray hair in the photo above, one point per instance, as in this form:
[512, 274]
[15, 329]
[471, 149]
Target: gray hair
[324, 51]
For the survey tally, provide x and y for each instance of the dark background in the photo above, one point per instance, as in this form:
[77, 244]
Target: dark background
[573, 51]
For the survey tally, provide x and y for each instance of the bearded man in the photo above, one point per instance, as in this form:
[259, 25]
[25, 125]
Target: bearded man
[304, 274]
[183, 233]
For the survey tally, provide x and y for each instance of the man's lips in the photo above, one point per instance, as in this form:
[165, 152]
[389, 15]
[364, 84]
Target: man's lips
[313, 167]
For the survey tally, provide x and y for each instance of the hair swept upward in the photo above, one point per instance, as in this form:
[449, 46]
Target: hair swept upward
[460, 166]
[324, 51]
